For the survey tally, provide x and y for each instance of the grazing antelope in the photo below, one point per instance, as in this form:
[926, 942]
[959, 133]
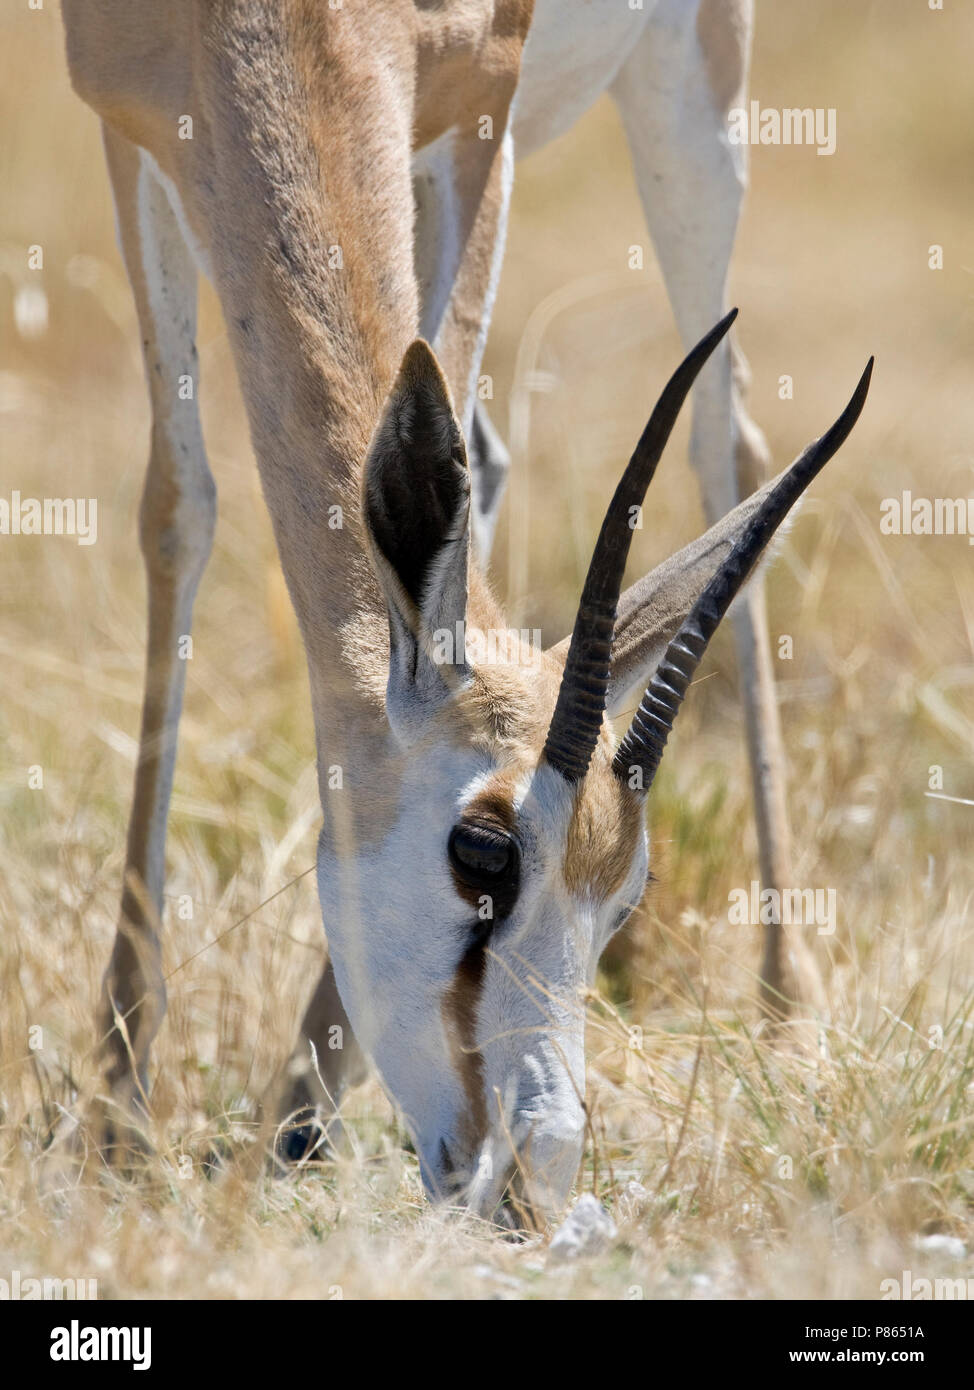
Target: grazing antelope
[487, 837]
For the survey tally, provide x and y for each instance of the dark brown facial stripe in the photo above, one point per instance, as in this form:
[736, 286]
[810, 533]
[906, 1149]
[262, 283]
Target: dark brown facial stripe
[494, 810]
[492, 807]
[459, 1011]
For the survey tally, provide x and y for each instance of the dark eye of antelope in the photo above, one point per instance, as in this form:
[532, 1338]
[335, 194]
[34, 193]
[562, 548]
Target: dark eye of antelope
[486, 864]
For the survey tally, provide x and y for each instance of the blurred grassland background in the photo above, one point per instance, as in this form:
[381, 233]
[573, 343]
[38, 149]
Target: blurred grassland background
[831, 265]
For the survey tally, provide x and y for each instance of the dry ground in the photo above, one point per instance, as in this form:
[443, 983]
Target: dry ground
[763, 1174]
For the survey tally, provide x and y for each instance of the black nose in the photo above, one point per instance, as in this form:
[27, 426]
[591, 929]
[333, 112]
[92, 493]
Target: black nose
[515, 1213]
[451, 1176]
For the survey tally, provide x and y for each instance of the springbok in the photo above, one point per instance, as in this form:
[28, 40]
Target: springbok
[325, 165]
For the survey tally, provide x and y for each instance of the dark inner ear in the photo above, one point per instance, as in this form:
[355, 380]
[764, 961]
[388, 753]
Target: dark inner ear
[419, 485]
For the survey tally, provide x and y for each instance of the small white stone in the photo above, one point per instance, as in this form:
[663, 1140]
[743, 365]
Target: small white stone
[632, 1200]
[702, 1286]
[950, 1246]
[588, 1229]
[509, 1281]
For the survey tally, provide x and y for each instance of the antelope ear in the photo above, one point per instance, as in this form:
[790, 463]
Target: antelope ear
[652, 610]
[416, 507]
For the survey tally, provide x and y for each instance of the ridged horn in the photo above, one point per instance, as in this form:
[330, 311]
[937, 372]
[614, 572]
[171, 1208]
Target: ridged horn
[642, 747]
[575, 724]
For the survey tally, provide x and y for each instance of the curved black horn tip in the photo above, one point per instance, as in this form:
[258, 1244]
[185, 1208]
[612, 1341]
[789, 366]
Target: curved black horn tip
[707, 344]
[834, 438]
[686, 373]
[864, 381]
[858, 399]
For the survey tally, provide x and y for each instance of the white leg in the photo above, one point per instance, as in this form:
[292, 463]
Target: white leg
[438, 252]
[176, 523]
[673, 94]
[489, 464]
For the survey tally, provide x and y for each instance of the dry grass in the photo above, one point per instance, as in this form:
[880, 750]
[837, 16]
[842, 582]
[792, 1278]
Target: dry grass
[698, 1108]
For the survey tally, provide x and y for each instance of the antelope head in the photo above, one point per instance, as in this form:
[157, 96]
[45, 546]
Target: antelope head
[516, 845]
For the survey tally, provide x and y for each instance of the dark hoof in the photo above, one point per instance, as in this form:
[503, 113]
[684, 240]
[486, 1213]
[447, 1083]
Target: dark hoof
[303, 1139]
[120, 1138]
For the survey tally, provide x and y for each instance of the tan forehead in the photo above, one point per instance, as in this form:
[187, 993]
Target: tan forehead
[603, 833]
[508, 706]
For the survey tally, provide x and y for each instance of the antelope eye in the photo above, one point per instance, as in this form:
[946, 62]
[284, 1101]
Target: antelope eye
[479, 853]
[487, 861]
